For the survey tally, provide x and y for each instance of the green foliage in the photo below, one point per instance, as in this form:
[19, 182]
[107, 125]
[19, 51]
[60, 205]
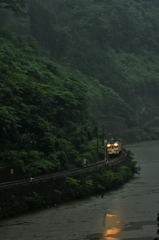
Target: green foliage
[89, 182]
[46, 110]
[33, 201]
[17, 6]
[72, 181]
[36, 164]
[72, 188]
[115, 42]
[42, 112]
[55, 191]
[63, 114]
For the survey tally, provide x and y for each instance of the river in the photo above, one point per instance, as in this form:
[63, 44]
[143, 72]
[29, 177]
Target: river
[128, 213]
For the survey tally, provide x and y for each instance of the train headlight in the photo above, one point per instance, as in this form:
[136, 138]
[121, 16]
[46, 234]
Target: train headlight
[108, 145]
[116, 144]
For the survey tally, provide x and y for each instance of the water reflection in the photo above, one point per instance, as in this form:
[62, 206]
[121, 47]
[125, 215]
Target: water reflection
[110, 238]
[111, 226]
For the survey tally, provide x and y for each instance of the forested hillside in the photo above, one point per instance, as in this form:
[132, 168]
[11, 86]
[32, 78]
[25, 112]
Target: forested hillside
[113, 41]
[72, 73]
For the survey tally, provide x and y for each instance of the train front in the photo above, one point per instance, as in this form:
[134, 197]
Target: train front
[113, 147]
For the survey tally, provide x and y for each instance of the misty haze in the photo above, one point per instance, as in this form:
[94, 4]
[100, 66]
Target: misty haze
[79, 119]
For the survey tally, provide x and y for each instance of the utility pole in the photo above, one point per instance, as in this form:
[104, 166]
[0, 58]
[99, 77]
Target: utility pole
[97, 144]
[105, 153]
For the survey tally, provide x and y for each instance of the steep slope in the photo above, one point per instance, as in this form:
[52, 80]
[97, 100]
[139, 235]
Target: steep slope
[114, 41]
[50, 117]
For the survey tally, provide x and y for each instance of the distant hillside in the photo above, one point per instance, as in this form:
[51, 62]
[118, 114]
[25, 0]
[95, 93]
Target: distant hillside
[113, 41]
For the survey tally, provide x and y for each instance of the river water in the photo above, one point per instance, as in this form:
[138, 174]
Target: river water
[128, 213]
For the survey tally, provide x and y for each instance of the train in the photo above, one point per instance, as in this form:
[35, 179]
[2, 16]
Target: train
[113, 147]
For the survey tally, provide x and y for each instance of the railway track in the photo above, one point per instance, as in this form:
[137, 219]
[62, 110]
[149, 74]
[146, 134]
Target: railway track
[72, 172]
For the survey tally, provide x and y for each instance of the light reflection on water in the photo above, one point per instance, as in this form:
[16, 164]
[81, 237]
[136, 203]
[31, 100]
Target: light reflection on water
[110, 238]
[112, 226]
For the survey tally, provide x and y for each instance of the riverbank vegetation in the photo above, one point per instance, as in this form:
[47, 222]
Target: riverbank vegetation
[51, 193]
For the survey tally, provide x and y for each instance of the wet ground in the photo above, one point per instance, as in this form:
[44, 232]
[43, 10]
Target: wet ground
[126, 214]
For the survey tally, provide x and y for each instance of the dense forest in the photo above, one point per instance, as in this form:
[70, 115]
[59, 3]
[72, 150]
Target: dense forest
[73, 73]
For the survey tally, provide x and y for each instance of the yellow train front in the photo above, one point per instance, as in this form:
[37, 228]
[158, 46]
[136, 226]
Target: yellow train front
[114, 148]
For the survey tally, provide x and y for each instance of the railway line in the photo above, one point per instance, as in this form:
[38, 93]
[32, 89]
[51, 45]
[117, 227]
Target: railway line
[108, 164]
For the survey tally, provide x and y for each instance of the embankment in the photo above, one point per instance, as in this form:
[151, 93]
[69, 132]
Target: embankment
[39, 195]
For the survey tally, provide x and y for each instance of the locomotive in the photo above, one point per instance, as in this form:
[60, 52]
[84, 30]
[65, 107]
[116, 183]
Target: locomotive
[113, 147]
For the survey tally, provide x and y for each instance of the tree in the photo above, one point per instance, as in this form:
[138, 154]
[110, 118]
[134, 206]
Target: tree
[17, 6]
